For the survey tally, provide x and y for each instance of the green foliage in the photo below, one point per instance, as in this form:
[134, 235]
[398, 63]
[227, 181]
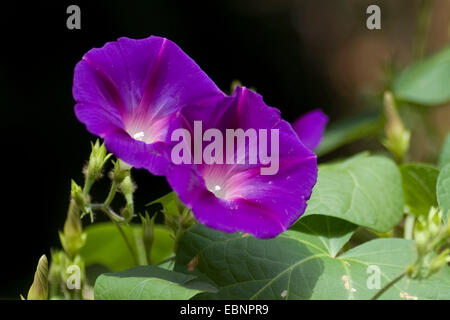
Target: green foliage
[349, 130]
[332, 232]
[364, 190]
[419, 185]
[105, 246]
[320, 257]
[443, 191]
[426, 81]
[148, 282]
[297, 265]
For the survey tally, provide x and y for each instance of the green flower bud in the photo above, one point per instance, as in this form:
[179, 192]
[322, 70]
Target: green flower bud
[39, 288]
[128, 212]
[72, 226]
[97, 160]
[121, 171]
[434, 221]
[187, 218]
[148, 234]
[77, 195]
[397, 137]
[438, 262]
[127, 188]
[81, 200]
[421, 235]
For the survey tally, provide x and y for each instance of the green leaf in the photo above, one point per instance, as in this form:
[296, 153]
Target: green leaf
[170, 203]
[443, 191]
[419, 187]
[332, 233]
[364, 190]
[295, 266]
[444, 157]
[148, 283]
[349, 130]
[426, 82]
[105, 246]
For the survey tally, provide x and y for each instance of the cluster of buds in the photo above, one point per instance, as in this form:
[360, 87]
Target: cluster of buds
[397, 138]
[121, 177]
[432, 238]
[66, 276]
[177, 216]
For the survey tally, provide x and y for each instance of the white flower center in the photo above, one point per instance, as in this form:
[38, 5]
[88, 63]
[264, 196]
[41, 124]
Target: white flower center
[139, 136]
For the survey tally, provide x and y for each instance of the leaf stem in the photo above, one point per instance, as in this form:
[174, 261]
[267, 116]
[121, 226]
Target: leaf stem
[108, 211]
[387, 286]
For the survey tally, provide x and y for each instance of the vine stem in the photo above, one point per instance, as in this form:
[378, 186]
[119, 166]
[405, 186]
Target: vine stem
[387, 286]
[115, 218]
[125, 238]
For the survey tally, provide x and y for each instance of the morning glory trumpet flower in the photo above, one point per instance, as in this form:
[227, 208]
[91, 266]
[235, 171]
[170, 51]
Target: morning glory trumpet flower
[229, 192]
[128, 92]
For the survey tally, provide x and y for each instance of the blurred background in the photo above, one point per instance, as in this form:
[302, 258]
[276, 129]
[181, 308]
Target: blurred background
[299, 54]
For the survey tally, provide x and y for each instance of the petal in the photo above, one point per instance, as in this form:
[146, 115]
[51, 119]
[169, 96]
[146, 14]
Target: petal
[263, 205]
[310, 128]
[98, 120]
[134, 87]
[138, 153]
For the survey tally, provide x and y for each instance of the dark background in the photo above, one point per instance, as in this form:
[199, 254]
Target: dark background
[299, 55]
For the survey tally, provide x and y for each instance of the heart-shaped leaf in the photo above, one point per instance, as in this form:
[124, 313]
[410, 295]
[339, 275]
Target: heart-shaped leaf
[148, 283]
[296, 266]
[105, 246]
[364, 190]
[426, 82]
[419, 186]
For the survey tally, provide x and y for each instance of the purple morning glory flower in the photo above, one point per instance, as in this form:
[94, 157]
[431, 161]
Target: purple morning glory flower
[242, 196]
[128, 92]
[310, 128]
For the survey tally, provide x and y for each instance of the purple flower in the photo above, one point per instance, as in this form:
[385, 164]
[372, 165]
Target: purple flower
[239, 197]
[310, 128]
[129, 91]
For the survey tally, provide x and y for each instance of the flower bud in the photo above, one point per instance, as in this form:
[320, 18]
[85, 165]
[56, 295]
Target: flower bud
[121, 171]
[434, 221]
[421, 235]
[438, 262]
[77, 195]
[39, 288]
[81, 200]
[397, 137]
[128, 212]
[127, 187]
[72, 225]
[97, 160]
[148, 234]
